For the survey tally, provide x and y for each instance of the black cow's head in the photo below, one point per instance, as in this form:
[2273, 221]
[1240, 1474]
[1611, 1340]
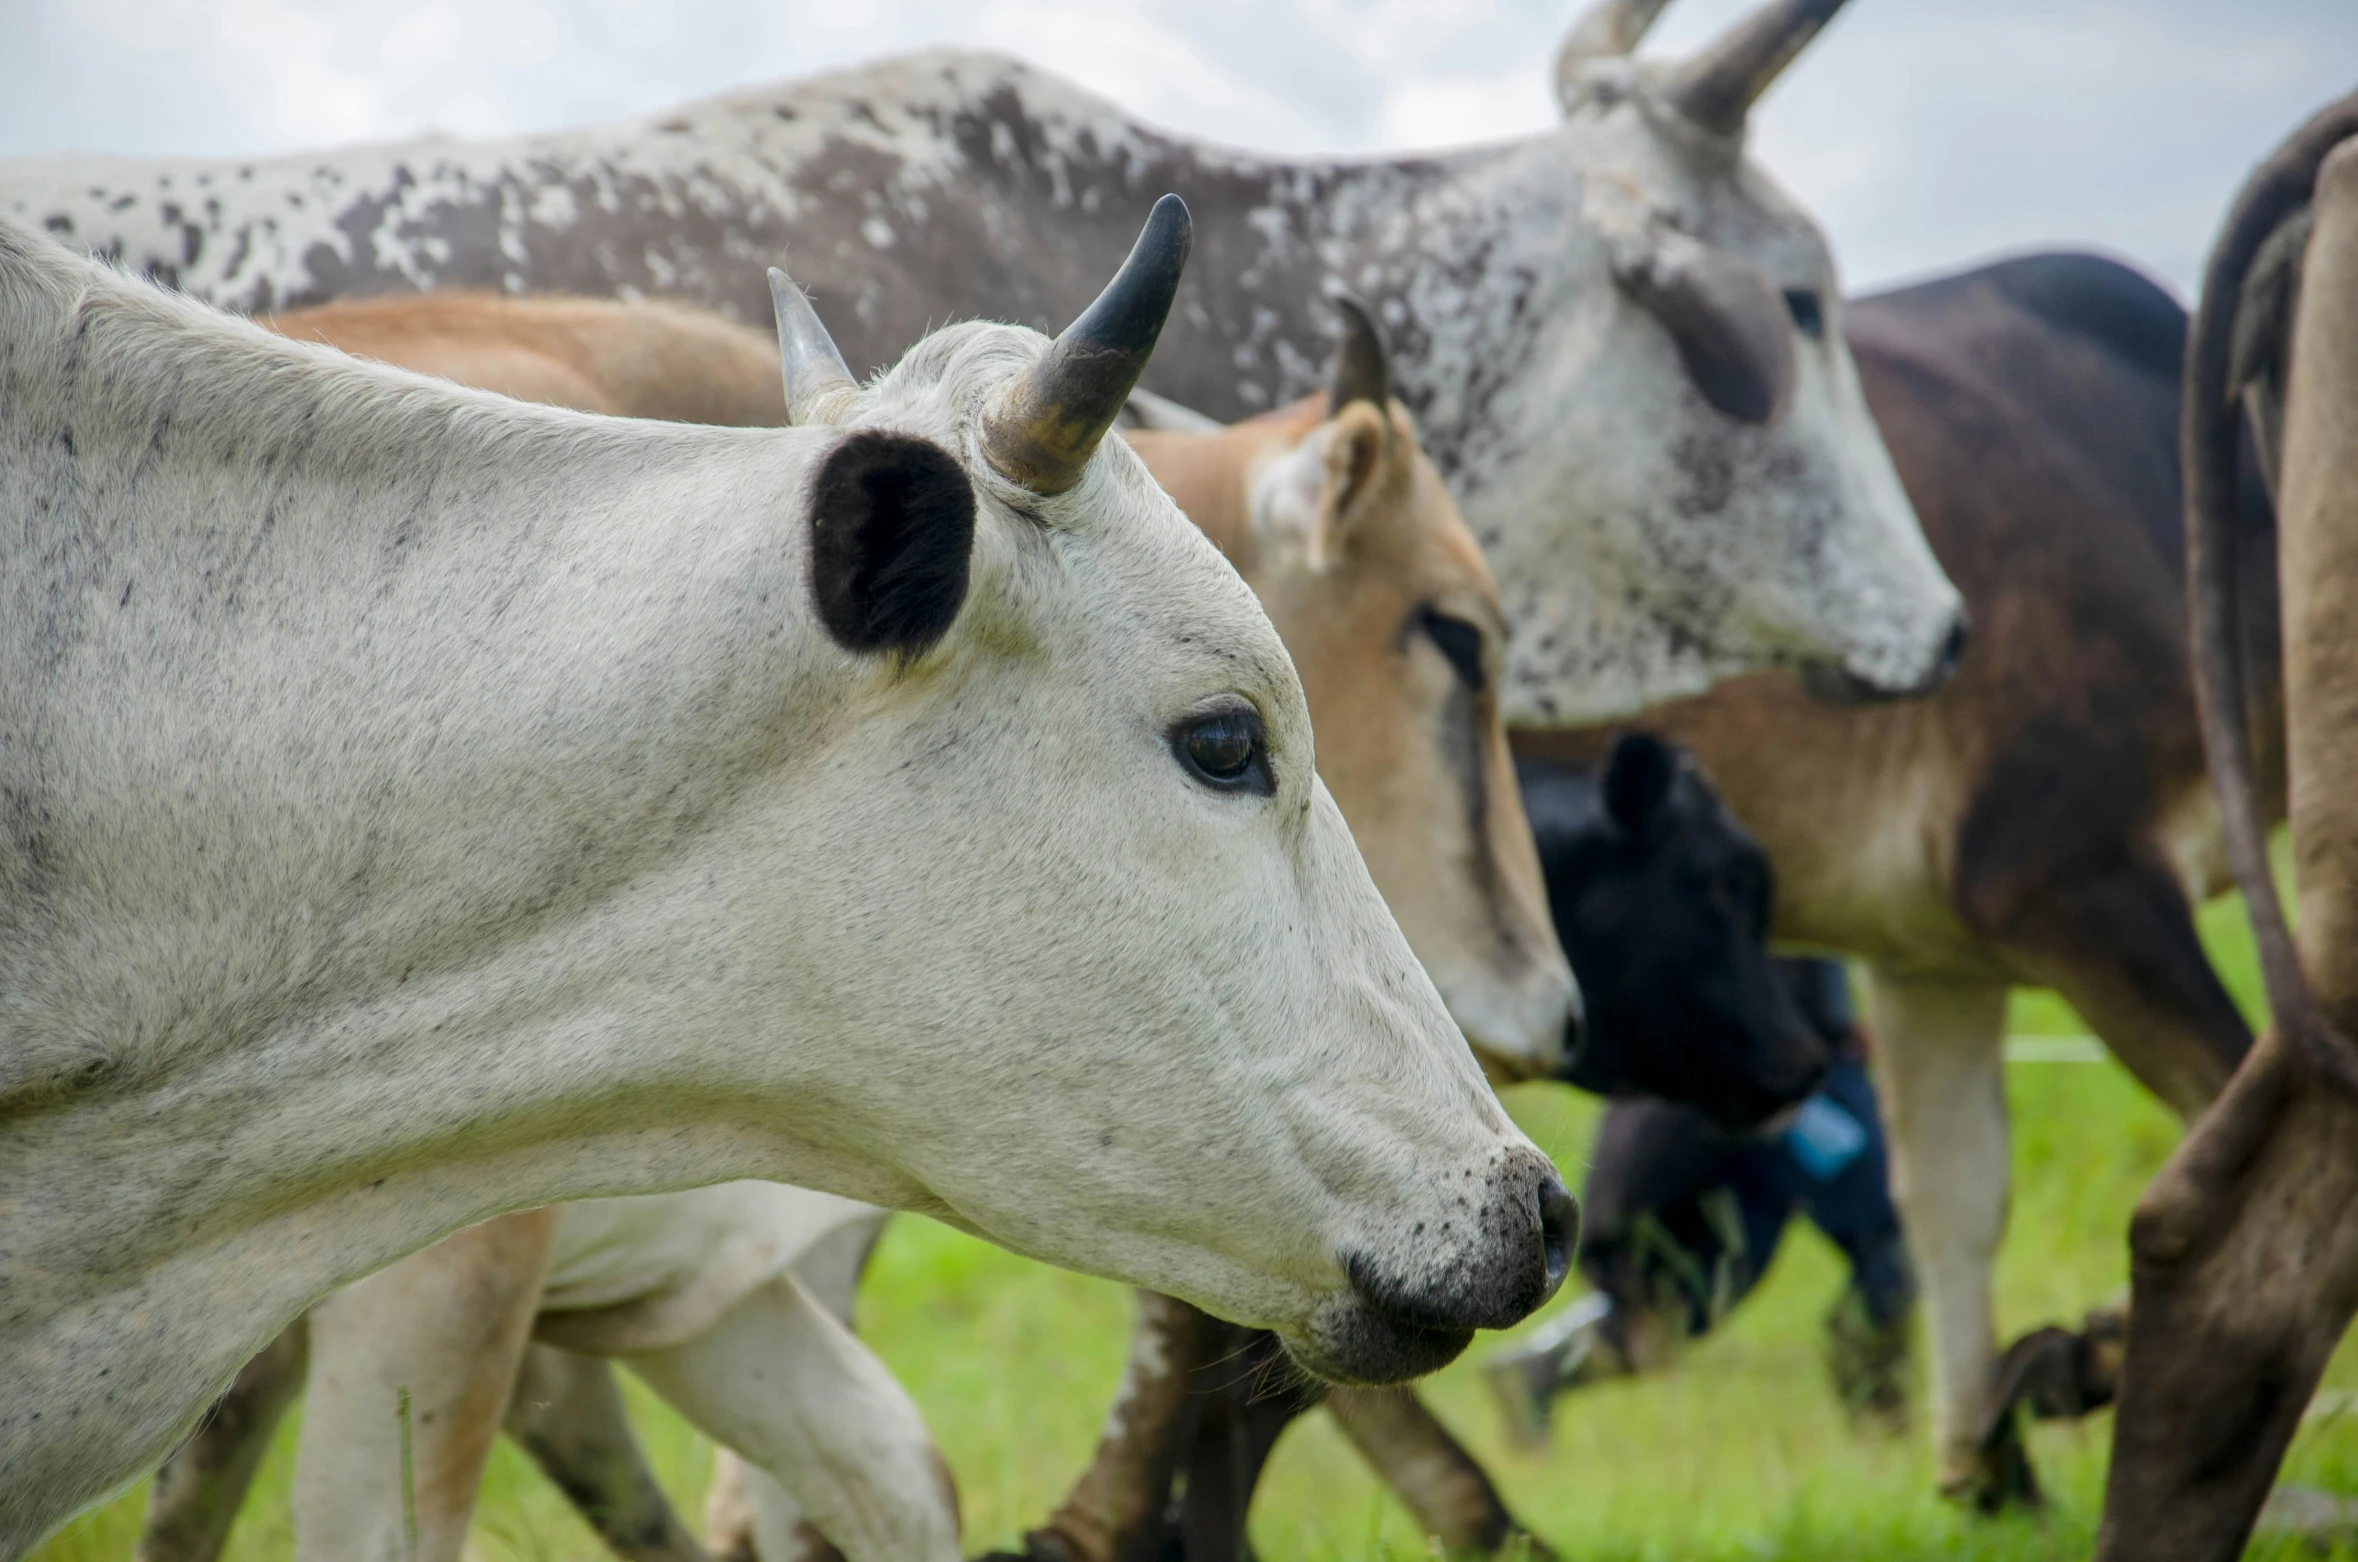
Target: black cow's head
[1662, 901]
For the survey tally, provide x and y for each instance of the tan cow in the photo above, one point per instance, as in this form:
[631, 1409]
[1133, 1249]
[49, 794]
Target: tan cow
[2244, 1253]
[638, 360]
[1333, 514]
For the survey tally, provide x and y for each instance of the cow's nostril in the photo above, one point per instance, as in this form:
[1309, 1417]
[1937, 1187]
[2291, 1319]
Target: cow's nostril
[1559, 1232]
[1952, 650]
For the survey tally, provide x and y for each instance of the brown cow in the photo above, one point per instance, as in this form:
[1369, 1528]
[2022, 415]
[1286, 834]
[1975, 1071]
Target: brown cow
[2244, 1256]
[2045, 818]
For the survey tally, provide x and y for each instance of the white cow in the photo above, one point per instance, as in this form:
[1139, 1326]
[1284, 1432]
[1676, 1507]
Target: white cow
[421, 805]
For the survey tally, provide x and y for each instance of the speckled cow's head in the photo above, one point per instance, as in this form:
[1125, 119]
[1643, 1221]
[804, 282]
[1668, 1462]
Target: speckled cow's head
[1744, 512]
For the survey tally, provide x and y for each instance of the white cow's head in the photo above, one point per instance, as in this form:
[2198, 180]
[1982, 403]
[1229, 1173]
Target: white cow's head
[1127, 1000]
[1746, 513]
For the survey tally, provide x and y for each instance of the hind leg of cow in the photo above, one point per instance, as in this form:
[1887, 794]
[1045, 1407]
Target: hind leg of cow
[197, 1493]
[1939, 1062]
[780, 1380]
[567, 1413]
[2245, 1275]
[410, 1371]
[1450, 1494]
[2122, 949]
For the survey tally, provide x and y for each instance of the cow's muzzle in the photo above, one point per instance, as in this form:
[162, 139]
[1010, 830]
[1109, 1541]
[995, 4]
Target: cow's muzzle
[1403, 1320]
[1835, 684]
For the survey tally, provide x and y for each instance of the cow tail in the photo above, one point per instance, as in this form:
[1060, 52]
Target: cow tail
[2279, 189]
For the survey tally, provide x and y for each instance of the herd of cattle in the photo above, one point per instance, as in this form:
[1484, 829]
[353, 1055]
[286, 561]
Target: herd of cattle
[438, 822]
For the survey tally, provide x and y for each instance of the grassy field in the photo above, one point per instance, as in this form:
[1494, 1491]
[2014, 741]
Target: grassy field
[1740, 1453]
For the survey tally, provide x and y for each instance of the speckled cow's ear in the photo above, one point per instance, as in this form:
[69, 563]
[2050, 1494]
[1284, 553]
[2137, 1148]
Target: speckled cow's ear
[1732, 328]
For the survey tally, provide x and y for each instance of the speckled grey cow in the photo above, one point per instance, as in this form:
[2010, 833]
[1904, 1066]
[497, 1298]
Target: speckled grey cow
[1621, 340]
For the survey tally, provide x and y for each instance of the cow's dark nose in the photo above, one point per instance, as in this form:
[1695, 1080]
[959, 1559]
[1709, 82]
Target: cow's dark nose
[1559, 1233]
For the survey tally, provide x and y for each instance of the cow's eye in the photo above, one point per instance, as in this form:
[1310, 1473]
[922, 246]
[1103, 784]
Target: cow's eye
[1226, 749]
[1458, 640]
[1802, 304]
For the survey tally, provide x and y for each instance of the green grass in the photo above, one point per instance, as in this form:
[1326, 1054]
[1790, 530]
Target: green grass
[1738, 1453]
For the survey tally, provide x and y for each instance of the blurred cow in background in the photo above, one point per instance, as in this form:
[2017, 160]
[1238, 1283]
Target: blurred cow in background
[1622, 342]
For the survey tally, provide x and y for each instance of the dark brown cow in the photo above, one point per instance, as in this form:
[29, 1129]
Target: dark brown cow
[2244, 1256]
[2044, 819]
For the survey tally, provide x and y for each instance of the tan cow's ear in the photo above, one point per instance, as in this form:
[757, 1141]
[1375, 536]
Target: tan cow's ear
[1307, 501]
[1358, 439]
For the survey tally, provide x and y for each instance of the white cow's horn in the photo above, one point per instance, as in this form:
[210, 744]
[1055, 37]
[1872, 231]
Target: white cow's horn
[816, 379]
[1719, 85]
[1047, 423]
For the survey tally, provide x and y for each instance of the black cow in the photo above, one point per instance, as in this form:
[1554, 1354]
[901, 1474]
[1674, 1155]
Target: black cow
[1662, 901]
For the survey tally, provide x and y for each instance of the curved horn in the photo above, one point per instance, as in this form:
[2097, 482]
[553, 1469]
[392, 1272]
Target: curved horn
[815, 374]
[1719, 85]
[1047, 423]
[1606, 30]
[1363, 365]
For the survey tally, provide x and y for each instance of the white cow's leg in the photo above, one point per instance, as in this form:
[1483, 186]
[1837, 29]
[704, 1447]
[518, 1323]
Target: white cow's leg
[794, 1391]
[423, 1353]
[1939, 1063]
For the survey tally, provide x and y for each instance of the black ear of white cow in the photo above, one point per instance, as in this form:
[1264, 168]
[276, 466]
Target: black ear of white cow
[1639, 774]
[892, 529]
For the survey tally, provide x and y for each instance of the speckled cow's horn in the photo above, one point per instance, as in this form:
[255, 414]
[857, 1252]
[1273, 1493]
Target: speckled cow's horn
[1719, 85]
[1606, 30]
[1047, 423]
[816, 379]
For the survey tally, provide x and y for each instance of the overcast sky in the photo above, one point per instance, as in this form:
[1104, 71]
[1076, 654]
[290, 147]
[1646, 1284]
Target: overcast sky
[1925, 133]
